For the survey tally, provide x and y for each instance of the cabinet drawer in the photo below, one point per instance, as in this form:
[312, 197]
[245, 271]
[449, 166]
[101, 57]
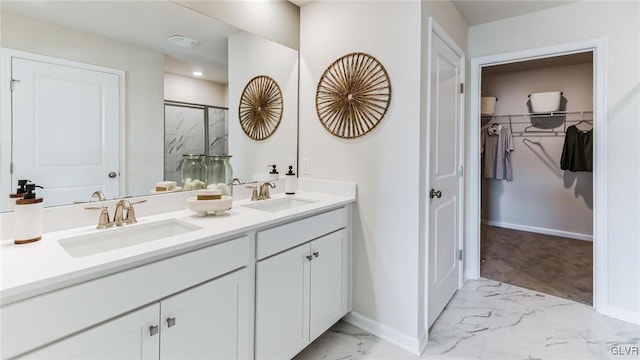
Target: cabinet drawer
[280, 238]
[39, 320]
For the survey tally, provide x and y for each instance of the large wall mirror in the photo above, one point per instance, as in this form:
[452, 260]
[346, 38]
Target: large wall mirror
[127, 40]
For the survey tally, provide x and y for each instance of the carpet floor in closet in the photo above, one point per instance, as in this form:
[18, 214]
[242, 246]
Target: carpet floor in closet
[550, 264]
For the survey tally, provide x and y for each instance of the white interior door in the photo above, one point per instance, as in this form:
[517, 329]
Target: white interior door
[65, 130]
[444, 176]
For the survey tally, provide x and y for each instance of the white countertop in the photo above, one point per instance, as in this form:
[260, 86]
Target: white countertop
[43, 266]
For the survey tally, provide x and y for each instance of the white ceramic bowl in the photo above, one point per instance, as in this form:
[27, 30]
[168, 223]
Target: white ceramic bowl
[202, 207]
[545, 102]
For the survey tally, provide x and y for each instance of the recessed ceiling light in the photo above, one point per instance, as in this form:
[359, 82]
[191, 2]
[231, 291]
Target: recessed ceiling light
[197, 73]
[183, 41]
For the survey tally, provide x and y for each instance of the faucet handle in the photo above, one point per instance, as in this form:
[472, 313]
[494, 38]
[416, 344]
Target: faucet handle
[103, 221]
[254, 194]
[130, 218]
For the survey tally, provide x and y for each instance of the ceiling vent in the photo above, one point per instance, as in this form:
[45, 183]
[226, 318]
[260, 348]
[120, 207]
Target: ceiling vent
[183, 41]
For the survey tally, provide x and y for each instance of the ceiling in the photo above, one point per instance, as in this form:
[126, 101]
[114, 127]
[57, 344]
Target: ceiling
[144, 23]
[477, 12]
[480, 11]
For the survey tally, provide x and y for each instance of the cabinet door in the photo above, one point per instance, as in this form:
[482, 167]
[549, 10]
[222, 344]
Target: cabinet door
[126, 337]
[210, 321]
[329, 281]
[282, 304]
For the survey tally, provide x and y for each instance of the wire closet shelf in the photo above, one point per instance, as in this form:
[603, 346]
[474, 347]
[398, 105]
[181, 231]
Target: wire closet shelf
[540, 124]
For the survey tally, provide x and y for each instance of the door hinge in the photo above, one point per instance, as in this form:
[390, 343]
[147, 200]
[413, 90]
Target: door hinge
[460, 255]
[461, 88]
[461, 171]
[12, 84]
[11, 168]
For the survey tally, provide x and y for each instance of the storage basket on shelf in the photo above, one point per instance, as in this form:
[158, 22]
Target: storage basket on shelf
[545, 102]
[488, 105]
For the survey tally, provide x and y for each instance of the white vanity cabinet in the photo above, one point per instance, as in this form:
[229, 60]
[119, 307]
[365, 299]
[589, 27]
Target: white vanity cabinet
[127, 337]
[302, 282]
[202, 323]
[199, 301]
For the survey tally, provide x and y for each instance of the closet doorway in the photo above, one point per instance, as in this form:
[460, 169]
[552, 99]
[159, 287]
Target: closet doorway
[536, 138]
[597, 47]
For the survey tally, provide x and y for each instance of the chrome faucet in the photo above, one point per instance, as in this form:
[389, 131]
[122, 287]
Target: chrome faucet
[264, 190]
[120, 217]
[236, 181]
[263, 193]
[98, 195]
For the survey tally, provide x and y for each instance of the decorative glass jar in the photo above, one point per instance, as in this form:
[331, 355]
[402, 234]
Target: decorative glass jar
[220, 173]
[194, 172]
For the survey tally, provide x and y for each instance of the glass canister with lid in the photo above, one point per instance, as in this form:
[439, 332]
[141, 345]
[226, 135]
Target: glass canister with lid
[194, 172]
[220, 173]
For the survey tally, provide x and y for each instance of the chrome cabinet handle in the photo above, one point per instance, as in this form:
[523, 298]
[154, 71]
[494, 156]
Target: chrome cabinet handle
[309, 257]
[171, 321]
[153, 329]
[112, 174]
[316, 254]
[433, 193]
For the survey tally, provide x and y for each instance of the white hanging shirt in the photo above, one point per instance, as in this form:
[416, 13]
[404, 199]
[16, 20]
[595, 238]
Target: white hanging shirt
[496, 146]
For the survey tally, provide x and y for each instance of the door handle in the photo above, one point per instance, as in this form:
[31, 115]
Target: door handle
[433, 193]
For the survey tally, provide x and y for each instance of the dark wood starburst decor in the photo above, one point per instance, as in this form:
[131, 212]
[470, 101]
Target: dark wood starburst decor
[353, 95]
[260, 109]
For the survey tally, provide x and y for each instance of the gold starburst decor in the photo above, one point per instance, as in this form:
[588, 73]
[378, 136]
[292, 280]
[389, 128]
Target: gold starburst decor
[353, 95]
[260, 109]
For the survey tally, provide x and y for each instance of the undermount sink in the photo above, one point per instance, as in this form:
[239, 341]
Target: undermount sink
[278, 204]
[121, 237]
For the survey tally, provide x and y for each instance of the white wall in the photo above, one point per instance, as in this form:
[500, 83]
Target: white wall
[250, 56]
[619, 22]
[387, 277]
[144, 86]
[541, 195]
[195, 91]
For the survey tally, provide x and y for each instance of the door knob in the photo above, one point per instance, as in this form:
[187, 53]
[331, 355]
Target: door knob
[112, 174]
[433, 193]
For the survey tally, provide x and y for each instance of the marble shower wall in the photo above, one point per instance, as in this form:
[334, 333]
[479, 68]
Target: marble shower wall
[184, 133]
[218, 131]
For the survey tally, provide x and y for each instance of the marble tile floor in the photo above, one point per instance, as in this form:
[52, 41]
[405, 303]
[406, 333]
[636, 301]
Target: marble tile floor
[487, 319]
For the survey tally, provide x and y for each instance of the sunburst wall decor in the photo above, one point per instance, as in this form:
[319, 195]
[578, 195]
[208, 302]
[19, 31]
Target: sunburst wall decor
[353, 95]
[260, 109]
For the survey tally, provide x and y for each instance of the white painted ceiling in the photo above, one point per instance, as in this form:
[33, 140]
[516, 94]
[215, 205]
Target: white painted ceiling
[477, 12]
[143, 23]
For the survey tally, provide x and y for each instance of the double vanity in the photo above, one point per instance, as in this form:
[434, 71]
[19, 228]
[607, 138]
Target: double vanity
[261, 281]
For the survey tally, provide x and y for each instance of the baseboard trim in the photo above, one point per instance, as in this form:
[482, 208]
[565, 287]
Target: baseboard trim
[624, 315]
[384, 332]
[539, 230]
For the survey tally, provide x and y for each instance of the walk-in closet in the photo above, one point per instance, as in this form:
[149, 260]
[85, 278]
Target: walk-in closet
[537, 180]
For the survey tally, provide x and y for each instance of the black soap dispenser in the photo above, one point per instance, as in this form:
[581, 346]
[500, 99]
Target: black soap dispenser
[290, 182]
[273, 175]
[19, 194]
[28, 217]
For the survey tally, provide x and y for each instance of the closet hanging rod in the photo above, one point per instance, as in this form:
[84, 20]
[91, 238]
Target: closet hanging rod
[554, 113]
[529, 122]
